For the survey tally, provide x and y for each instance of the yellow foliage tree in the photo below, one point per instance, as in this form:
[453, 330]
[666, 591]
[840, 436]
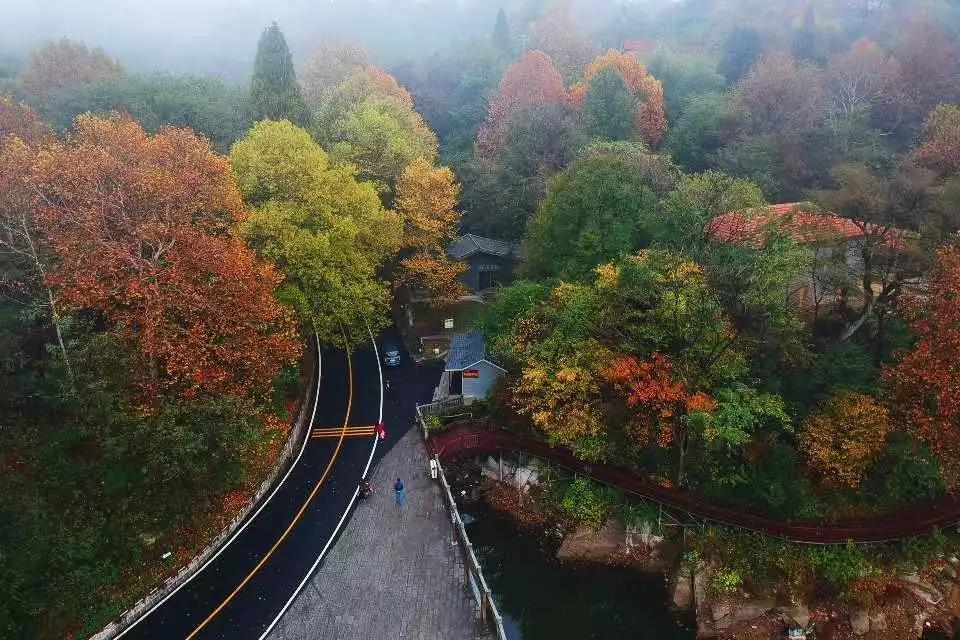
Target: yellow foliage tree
[426, 199]
[845, 437]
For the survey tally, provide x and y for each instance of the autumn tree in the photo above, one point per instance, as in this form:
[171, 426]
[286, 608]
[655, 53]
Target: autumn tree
[940, 142]
[927, 62]
[327, 230]
[862, 79]
[17, 119]
[24, 260]
[650, 118]
[426, 201]
[924, 385]
[369, 121]
[66, 63]
[608, 107]
[531, 81]
[154, 255]
[274, 91]
[556, 34]
[781, 96]
[843, 439]
[332, 63]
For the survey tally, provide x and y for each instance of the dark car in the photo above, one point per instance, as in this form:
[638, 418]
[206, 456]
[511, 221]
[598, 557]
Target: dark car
[391, 355]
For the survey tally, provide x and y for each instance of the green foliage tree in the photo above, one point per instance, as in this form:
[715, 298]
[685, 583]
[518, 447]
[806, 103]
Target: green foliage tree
[740, 50]
[204, 104]
[696, 137]
[608, 107]
[274, 92]
[501, 33]
[325, 229]
[593, 212]
[541, 141]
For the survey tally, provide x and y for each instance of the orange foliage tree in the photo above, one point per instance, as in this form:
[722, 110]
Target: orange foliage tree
[142, 230]
[17, 119]
[530, 81]
[426, 199]
[66, 63]
[650, 120]
[924, 387]
[844, 438]
[940, 145]
[655, 395]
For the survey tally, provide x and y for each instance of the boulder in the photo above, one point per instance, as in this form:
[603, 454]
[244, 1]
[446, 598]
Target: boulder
[859, 621]
[878, 622]
[681, 588]
[743, 611]
[586, 545]
[798, 615]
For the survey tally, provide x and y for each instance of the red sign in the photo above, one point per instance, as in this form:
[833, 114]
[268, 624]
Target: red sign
[471, 373]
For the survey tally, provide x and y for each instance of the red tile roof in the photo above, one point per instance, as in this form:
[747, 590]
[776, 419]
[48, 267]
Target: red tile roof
[795, 220]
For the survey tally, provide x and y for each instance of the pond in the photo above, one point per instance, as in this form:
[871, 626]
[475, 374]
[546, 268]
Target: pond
[543, 599]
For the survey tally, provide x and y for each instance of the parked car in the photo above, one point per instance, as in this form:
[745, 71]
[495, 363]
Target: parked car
[391, 355]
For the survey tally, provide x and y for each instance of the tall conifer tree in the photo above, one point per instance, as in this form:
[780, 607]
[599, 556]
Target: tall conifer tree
[501, 34]
[608, 107]
[274, 92]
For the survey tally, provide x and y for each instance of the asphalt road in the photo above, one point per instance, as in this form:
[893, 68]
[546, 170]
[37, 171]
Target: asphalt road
[214, 604]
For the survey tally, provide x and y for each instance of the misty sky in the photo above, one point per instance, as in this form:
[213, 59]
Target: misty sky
[220, 35]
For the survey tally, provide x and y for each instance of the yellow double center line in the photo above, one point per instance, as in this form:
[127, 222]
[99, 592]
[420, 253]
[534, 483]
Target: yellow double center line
[296, 518]
[349, 432]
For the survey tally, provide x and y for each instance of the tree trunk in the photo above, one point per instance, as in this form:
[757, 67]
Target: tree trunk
[55, 318]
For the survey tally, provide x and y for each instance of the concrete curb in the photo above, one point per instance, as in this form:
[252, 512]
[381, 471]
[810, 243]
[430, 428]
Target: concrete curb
[297, 433]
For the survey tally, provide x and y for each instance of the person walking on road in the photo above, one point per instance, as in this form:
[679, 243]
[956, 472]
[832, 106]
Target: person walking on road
[398, 491]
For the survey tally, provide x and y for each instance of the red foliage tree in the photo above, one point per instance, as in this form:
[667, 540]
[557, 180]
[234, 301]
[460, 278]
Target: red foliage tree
[532, 80]
[141, 227]
[652, 391]
[924, 387]
[940, 144]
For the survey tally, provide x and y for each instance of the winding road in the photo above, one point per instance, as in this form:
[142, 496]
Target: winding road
[477, 437]
[245, 588]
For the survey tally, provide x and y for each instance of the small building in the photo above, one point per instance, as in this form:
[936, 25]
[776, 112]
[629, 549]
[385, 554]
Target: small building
[834, 243]
[489, 262]
[468, 372]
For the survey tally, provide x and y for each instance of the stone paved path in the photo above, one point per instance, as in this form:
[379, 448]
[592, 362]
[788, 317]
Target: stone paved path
[394, 572]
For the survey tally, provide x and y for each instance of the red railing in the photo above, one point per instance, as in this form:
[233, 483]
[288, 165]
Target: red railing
[477, 437]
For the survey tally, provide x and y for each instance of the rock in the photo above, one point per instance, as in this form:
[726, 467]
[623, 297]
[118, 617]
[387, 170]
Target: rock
[859, 621]
[587, 545]
[923, 590]
[953, 604]
[681, 588]
[799, 615]
[720, 610]
[527, 477]
[741, 611]
[878, 622]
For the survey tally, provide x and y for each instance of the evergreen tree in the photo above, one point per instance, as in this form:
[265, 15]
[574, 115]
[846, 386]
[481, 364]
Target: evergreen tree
[805, 45]
[501, 34]
[274, 92]
[608, 108]
[740, 51]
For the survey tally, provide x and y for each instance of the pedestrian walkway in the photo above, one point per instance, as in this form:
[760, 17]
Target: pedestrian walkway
[394, 572]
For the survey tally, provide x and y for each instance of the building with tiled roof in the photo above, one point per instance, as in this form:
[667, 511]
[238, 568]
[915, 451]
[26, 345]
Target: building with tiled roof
[835, 245]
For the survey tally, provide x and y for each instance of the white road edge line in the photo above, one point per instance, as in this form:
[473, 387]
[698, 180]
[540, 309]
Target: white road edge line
[316, 399]
[353, 499]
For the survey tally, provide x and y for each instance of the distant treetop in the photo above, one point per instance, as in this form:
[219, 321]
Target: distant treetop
[274, 92]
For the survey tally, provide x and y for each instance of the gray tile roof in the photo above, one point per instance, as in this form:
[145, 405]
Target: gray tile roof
[469, 244]
[465, 349]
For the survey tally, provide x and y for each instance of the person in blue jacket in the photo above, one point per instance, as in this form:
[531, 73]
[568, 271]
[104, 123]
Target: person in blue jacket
[398, 490]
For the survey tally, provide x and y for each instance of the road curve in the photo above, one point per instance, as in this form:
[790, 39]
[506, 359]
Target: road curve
[477, 437]
[240, 593]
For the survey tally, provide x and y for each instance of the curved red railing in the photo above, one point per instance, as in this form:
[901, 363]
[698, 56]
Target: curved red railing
[479, 437]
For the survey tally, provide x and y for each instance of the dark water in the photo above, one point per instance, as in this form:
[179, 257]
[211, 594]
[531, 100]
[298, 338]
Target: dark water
[541, 599]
